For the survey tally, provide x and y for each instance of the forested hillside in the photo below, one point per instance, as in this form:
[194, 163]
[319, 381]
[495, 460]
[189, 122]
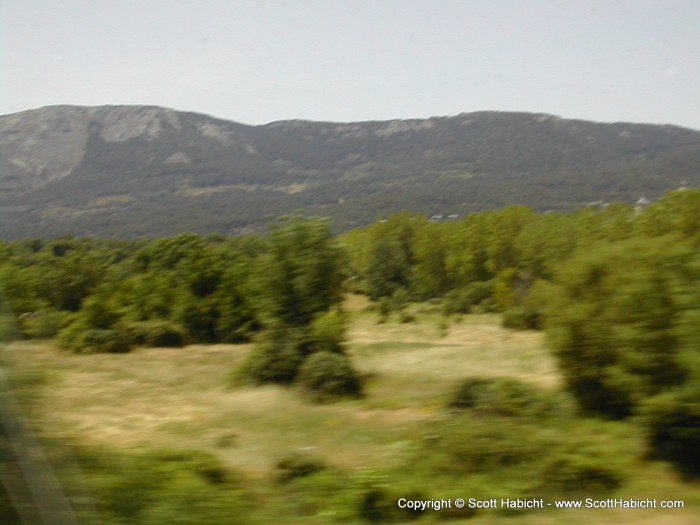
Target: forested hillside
[132, 171]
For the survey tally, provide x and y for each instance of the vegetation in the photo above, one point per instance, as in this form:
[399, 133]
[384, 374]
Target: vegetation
[672, 424]
[299, 281]
[356, 173]
[325, 376]
[410, 318]
[620, 322]
[147, 459]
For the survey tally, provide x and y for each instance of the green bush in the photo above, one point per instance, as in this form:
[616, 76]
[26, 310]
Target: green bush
[298, 466]
[97, 312]
[400, 299]
[187, 500]
[107, 341]
[458, 447]
[489, 456]
[45, 324]
[672, 426]
[580, 472]
[520, 318]
[326, 376]
[406, 317]
[463, 300]
[157, 334]
[328, 332]
[507, 397]
[586, 460]
[272, 360]
[312, 488]
[198, 316]
[163, 487]
[379, 505]
[8, 515]
[83, 340]
[205, 465]
[620, 321]
[384, 308]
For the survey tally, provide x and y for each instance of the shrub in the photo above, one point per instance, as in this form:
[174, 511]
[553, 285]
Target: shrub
[502, 396]
[313, 488]
[585, 461]
[579, 472]
[45, 323]
[272, 360]
[520, 318]
[83, 340]
[198, 316]
[107, 341]
[8, 515]
[98, 312]
[298, 466]
[328, 332]
[384, 309]
[163, 487]
[457, 447]
[406, 317]
[463, 300]
[443, 327]
[374, 498]
[157, 334]
[672, 425]
[378, 505]
[504, 457]
[205, 465]
[619, 321]
[400, 299]
[326, 376]
[186, 500]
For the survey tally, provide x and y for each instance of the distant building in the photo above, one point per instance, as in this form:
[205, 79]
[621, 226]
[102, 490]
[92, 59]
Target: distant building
[642, 202]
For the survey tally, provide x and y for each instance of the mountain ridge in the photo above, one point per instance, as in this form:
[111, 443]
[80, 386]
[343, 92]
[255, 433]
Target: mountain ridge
[149, 170]
[543, 115]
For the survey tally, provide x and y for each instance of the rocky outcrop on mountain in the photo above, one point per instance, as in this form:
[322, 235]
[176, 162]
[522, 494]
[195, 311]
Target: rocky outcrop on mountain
[144, 170]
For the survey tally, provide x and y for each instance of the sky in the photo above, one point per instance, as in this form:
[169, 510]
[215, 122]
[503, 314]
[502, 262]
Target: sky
[351, 60]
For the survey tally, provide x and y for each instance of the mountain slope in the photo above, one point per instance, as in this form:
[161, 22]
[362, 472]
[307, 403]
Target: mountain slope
[135, 170]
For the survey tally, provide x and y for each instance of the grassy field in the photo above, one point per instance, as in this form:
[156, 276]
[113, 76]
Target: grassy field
[183, 398]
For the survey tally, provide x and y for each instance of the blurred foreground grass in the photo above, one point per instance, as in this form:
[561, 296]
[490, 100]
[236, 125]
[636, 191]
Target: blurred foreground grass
[181, 399]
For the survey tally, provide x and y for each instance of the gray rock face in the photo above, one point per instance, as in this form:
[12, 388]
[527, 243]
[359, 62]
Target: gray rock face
[121, 123]
[41, 146]
[47, 144]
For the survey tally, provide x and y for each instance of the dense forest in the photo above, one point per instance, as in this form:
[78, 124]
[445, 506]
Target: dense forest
[616, 289]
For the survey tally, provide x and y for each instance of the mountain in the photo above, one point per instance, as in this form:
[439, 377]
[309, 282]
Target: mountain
[128, 171]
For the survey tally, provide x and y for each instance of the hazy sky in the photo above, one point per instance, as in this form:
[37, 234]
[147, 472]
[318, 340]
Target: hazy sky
[263, 60]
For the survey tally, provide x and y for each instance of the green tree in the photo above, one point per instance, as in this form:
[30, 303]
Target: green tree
[466, 260]
[389, 268]
[672, 426]
[431, 250]
[618, 320]
[543, 243]
[300, 275]
[677, 213]
[503, 228]
[66, 280]
[299, 281]
[391, 256]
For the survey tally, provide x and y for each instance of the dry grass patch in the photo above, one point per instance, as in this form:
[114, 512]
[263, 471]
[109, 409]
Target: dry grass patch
[181, 397]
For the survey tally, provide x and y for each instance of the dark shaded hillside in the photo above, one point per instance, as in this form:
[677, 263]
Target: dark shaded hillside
[147, 171]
